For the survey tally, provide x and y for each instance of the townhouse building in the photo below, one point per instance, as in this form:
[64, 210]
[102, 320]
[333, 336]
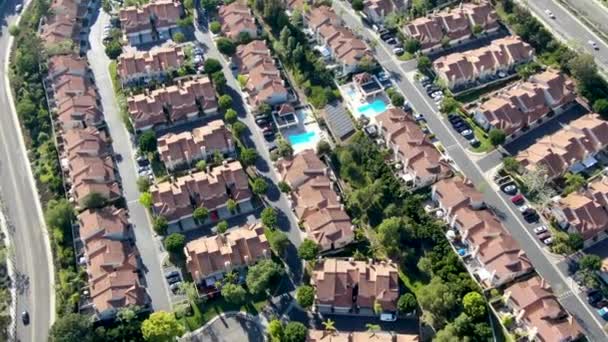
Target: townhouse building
[464, 69]
[422, 164]
[177, 199]
[314, 200]
[169, 105]
[345, 286]
[377, 10]
[89, 174]
[142, 67]
[152, 22]
[208, 259]
[201, 143]
[538, 312]
[573, 148]
[525, 104]
[237, 21]
[65, 28]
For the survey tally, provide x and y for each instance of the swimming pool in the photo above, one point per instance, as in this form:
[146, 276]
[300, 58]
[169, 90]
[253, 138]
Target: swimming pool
[372, 109]
[302, 138]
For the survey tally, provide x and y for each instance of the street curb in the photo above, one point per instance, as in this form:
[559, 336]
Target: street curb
[11, 274]
[30, 175]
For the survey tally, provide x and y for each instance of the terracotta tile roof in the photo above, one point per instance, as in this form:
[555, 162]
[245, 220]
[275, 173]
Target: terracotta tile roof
[157, 60]
[177, 199]
[454, 193]
[358, 336]
[455, 23]
[149, 109]
[560, 88]
[587, 210]
[321, 15]
[336, 279]
[88, 174]
[381, 7]
[79, 111]
[68, 85]
[419, 154]
[542, 312]
[301, 168]
[60, 28]
[69, 8]
[264, 78]
[427, 31]
[59, 65]
[481, 13]
[85, 142]
[176, 148]
[573, 143]
[343, 43]
[134, 19]
[236, 18]
[224, 252]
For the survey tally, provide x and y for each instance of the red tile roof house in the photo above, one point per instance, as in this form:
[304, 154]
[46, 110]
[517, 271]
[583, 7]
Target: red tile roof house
[573, 148]
[346, 49]
[315, 202]
[152, 22]
[354, 287]
[141, 67]
[524, 105]
[208, 259]
[538, 311]
[237, 20]
[83, 142]
[169, 105]
[422, 163]
[585, 212]
[496, 257]
[201, 143]
[264, 83]
[112, 261]
[92, 174]
[66, 26]
[377, 10]
[177, 199]
[463, 69]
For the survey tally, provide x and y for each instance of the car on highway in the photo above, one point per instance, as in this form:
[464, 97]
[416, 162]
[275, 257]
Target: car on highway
[593, 44]
[540, 229]
[18, 8]
[549, 14]
[509, 189]
[518, 199]
[25, 318]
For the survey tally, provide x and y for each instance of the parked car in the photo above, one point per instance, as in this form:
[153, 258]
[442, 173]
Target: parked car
[174, 280]
[419, 117]
[518, 199]
[388, 317]
[18, 8]
[454, 118]
[392, 41]
[509, 189]
[474, 142]
[530, 215]
[175, 286]
[594, 297]
[386, 36]
[261, 121]
[171, 274]
[523, 208]
[398, 51]
[467, 133]
[25, 317]
[548, 241]
[603, 312]
[461, 126]
[540, 229]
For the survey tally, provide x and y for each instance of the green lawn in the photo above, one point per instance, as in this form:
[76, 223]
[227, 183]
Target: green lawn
[406, 56]
[213, 307]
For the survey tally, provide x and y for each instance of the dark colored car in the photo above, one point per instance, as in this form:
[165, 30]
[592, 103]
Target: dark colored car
[509, 189]
[172, 274]
[25, 318]
[261, 121]
[173, 280]
[386, 36]
[594, 297]
[530, 215]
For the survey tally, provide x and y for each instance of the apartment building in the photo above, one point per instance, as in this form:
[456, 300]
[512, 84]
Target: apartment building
[201, 143]
[585, 211]
[264, 81]
[537, 311]
[168, 105]
[151, 22]
[359, 336]
[355, 287]
[525, 104]
[141, 67]
[177, 199]
[111, 260]
[573, 148]
[237, 21]
[422, 163]
[208, 259]
[463, 69]
[314, 200]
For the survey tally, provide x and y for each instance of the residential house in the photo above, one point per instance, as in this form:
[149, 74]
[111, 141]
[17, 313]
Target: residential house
[314, 200]
[539, 312]
[60, 30]
[92, 174]
[573, 148]
[585, 211]
[377, 10]
[422, 163]
[355, 287]
[426, 30]
[359, 336]
[237, 21]
[208, 259]
[177, 199]
[454, 193]
[285, 116]
[137, 67]
[78, 112]
[168, 105]
[70, 64]
[481, 14]
[525, 104]
[151, 22]
[87, 142]
[111, 260]
[462, 69]
[200, 143]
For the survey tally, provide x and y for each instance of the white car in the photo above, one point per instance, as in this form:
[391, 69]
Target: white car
[548, 241]
[18, 8]
[466, 132]
[550, 14]
[523, 208]
[593, 44]
[540, 229]
[398, 51]
[388, 317]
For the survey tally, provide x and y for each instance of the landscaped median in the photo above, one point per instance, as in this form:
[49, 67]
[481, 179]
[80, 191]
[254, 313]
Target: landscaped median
[121, 98]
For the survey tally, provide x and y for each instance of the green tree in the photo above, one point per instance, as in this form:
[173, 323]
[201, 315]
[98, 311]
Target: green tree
[269, 217]
[175, 243]
[238, 128]
[215, 27]
[145, 199]
[188, 289]
[448, 334]
[94, 200]
[106, 6]
[583, 68]
[275, 330]
[231, 205]
[511, 164]
[358, 5]
[222, 227]
[264, 108]
[160, 225]
[259, 276]
[424, 63]
[305, 296]
[284, 187]
[161, 326]
[147, 142]
[234, 293]
[438, 298]
[295, 332]
[219, 81]
[71, 327]
[497, 136]
[143, 184]
[474, 305]
[323, 148]
[225, 102]
[590, 262]
[407, 303]
[113, 49]
[179, 37]
[225, 46]
[248, 156]
[284, 148]
[477, 29]
[389, 234]
[308, 250]
[449, 105]
[600, 106]
[201, 165]
[574, 181]
[412, 45]
[59, 214]
[377, 307]
[231, 116]
[397, 99]
[212, 66]
[186, 22]
[278, 241]
[210, 5]
[259, 186]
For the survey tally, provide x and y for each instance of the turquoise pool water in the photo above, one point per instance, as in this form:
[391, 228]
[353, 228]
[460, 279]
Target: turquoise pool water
[372, 109]
[302, 138]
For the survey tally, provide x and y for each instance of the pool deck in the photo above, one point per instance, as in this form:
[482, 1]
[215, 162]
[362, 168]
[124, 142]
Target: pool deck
[354, 100]
[306, 123]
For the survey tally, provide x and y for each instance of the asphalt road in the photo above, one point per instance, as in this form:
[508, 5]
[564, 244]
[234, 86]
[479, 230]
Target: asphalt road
[149, 246]
[31, 253]
[467, 163]
[593, 11]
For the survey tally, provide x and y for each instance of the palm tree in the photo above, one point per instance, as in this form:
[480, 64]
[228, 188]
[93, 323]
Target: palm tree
[329, 325]
[372, 328]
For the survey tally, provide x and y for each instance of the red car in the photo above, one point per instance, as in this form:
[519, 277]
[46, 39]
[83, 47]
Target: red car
[518, 199]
